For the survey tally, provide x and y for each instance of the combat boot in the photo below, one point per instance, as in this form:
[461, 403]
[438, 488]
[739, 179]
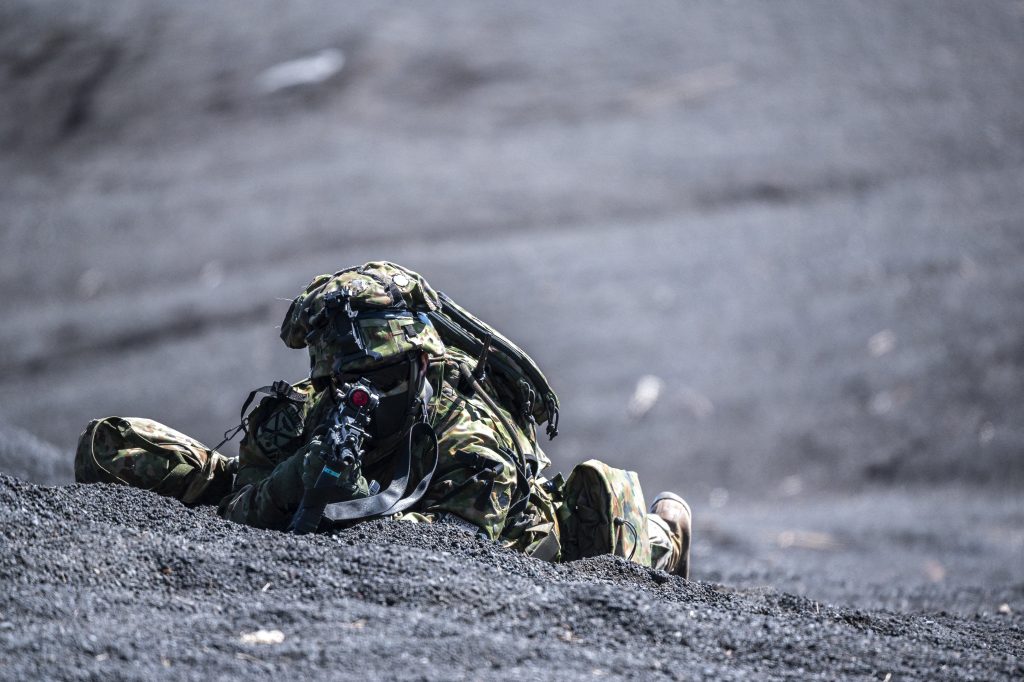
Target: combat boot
[675, 512]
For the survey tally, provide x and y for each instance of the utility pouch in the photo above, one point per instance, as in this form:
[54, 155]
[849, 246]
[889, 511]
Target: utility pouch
[603, 512]
[147, 454]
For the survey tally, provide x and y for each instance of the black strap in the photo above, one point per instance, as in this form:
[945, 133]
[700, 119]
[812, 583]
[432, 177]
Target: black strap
[390, 501]
[619, 521]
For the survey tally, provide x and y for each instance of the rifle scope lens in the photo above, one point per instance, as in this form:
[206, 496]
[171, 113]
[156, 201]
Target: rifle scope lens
[359, 398]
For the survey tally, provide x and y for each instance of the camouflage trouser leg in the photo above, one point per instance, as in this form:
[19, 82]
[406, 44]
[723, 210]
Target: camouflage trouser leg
[666, 550]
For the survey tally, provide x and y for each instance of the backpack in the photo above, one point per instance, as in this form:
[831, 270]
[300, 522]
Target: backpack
[147, 454]
[603, 512]
[522, 388]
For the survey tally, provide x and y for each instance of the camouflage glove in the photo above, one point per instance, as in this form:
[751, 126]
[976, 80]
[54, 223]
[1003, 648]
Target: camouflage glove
[351, 483]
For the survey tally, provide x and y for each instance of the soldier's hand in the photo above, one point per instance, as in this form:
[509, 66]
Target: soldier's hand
[313, 462]
[350, 481]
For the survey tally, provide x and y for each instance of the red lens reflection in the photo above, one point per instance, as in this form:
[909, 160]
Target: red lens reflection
[359, 398]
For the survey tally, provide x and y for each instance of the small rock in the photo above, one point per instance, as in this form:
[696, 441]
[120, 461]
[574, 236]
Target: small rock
[718, 498]
[645, 395]
[882, 343]
[309, 70]
[262, 637]
[935, 571]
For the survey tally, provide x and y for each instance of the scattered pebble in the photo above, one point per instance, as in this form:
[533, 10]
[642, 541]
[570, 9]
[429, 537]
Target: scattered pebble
[718, 498]
[645, 395]
[262, 637]
[309, 70]
[881, 343]
[935, 571]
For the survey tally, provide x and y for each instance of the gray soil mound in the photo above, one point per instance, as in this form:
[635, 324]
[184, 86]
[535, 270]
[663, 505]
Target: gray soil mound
[30, 458]
[109, 582]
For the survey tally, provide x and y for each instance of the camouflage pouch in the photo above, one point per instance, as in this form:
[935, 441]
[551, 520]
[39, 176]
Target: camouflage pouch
[146, 454]
[603, 512]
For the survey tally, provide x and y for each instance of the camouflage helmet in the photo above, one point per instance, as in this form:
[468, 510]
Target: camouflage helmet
[361, 318]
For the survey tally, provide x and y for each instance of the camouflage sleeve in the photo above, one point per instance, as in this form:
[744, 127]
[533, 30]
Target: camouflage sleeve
[270, 502]
[475, 478]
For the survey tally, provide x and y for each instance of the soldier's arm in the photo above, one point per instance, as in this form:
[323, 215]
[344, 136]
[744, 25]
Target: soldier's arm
[269, 502]
[475, 479]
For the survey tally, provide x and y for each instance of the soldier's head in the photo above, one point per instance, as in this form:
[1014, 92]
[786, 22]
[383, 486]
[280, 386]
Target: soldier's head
[368, 322]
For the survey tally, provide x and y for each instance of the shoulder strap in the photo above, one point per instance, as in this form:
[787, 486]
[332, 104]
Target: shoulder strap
[92, 446]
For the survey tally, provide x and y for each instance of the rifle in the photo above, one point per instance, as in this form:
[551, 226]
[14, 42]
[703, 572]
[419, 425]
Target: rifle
[346, 438]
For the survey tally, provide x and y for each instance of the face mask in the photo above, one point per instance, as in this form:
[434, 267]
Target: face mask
[393, 410]
[399, 386]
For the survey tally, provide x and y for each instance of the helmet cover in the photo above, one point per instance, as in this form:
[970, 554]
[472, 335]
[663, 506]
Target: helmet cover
[362, 318]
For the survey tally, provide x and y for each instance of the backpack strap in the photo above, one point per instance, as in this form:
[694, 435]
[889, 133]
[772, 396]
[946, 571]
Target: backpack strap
[524, 471]
[174, 480]
[92, 448]
[460, 328]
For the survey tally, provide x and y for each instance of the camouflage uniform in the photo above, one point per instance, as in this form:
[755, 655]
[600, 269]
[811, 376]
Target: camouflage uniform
[475, 480]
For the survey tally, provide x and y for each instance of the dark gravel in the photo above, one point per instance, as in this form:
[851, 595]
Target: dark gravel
[112, 583]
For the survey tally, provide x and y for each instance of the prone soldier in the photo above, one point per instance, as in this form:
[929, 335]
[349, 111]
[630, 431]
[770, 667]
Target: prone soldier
[451, 437]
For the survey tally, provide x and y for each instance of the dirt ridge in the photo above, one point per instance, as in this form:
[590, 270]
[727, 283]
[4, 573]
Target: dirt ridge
[119, 583]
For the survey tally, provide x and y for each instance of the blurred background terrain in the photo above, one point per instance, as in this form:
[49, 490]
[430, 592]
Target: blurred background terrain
[769, 255]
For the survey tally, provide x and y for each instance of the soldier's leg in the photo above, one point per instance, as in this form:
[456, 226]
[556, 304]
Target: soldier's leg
[669, 530]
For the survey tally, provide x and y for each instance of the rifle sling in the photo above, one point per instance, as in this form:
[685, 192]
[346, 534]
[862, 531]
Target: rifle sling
[389, 501]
